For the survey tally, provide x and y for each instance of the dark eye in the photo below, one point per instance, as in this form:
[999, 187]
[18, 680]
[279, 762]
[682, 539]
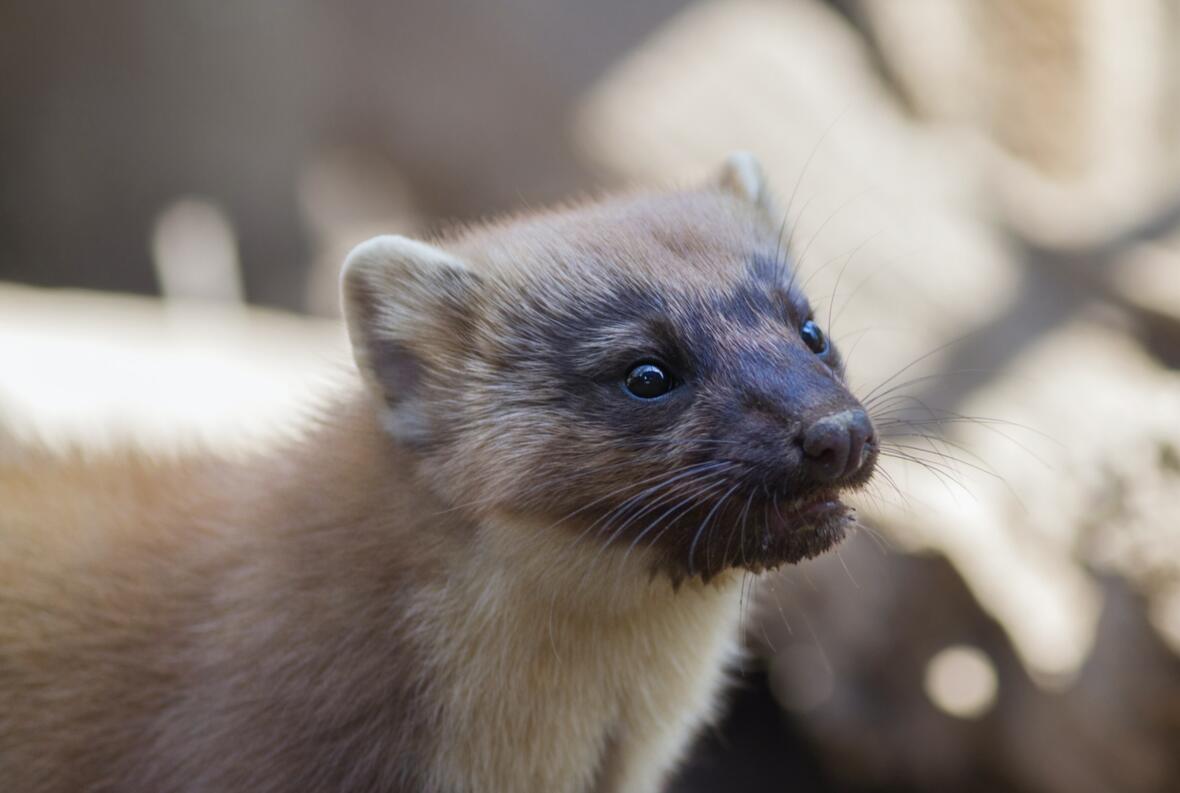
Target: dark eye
[648, 381]
[813, 337]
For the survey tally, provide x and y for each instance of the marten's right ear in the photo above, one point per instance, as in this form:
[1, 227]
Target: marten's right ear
[741, 174]
[408, 308]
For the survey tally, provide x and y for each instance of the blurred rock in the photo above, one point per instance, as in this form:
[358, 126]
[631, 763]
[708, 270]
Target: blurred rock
[877, 620]
[1077, 476]
[1147, 279]
[1078, 100]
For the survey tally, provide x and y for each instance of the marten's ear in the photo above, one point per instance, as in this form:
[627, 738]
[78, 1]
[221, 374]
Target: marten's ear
[408, 306]
[742, 175]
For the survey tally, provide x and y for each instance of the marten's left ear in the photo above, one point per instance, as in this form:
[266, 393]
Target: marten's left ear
[409, 308]
[741, 174]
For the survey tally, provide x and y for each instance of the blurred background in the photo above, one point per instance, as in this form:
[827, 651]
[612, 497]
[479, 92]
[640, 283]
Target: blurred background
[984, 198]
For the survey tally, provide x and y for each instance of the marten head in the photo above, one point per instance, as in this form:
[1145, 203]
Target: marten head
[642, 373]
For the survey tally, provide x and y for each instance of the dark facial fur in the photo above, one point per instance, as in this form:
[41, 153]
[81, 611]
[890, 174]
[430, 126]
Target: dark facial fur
[521, 385]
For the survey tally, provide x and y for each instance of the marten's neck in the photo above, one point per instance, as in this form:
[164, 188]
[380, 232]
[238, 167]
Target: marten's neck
[497, 620]
[348, 498]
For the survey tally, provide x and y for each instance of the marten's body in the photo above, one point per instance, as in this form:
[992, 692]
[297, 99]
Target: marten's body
[175, 631]
[446, 584]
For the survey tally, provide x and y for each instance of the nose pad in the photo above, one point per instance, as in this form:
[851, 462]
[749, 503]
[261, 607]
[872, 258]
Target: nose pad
[834, 446]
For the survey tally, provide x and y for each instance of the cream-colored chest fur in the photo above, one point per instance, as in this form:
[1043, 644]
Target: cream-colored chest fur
[578, 673]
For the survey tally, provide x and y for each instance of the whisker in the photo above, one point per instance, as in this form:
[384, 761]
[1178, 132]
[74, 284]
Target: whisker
[984, 422]
[847, 572]
[548, 485]
[799, 182]
[879, 540]
[698, 490]
[874, 397]
[940, 475]
[779, 607]
[709, 480]
[816, 234]
[762, 622]
[704, 523]
[704, 469]
[944, 456]
[888, 478]
[868, 397]
[682, 506]
[863, 282]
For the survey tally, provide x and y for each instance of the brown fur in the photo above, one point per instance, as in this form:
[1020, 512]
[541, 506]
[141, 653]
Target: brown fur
[429, 590]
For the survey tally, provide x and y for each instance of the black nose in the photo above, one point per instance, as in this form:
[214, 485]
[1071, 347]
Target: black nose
[834, 446]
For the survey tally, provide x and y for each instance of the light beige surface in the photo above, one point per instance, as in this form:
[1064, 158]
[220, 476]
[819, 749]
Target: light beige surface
[94, 368]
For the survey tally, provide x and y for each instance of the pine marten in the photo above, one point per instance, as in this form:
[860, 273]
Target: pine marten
[509, 560]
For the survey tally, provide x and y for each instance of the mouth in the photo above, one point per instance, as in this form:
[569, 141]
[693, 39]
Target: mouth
[808, 512]
[784, 532]
[805, 528]
[752, 526]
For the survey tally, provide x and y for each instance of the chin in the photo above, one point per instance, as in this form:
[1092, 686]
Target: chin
[767, 535]
[804, 530]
